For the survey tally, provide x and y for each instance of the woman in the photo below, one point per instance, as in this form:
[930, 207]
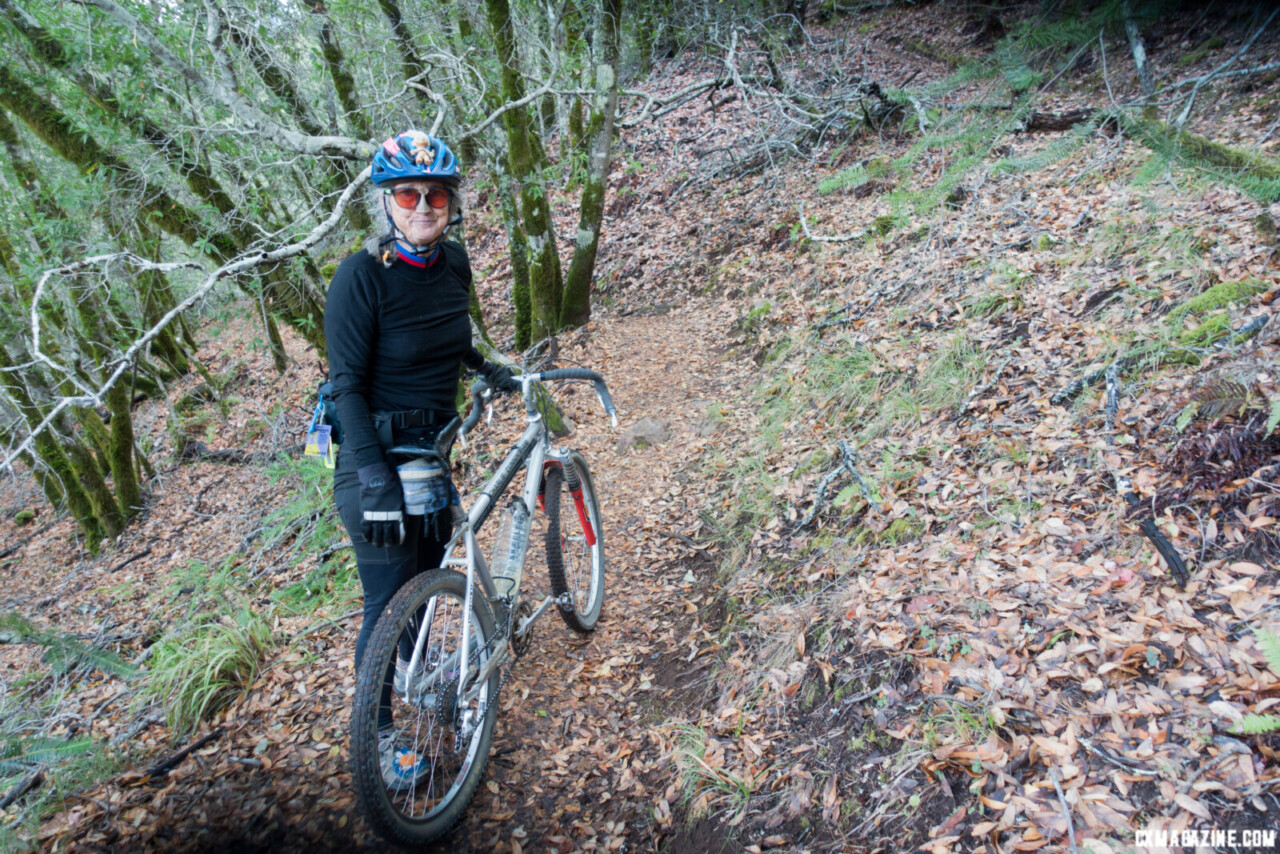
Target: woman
[398, 328]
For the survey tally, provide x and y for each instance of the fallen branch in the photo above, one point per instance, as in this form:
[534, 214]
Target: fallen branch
[315, 627]
[1066, 811]
[841, 238]
[1173, 560]
[848, 461]
[139, 556]
[26, 784]
[985, 387]
[330, 551]
[168, 763]
[1191, 99]
[13, 548]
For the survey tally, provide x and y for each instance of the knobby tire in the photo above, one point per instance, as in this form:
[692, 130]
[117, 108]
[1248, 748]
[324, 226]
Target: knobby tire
[576, 566]
[424, 805]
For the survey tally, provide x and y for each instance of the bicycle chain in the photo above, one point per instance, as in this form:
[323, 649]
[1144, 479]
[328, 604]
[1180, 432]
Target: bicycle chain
[503, 675]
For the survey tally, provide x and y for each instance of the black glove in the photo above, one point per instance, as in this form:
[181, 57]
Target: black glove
[499, 377]
[381, 506]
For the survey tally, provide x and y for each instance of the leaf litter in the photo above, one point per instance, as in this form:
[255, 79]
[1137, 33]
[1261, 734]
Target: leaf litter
[985, 655]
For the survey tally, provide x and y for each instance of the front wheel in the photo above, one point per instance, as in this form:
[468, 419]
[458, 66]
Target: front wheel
[420, 740]
[575, 543]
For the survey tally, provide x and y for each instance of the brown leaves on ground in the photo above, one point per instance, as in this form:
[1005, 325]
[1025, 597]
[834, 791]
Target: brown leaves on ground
[989, 657]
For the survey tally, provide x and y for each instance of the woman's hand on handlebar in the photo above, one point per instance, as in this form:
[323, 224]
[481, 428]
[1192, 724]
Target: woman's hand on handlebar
[499, 377]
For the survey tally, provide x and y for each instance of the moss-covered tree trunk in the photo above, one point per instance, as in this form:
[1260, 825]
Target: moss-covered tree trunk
[82, 149]
[576, 309]
[117, 442]
[518, 252]
[528, 160]
[344, 85]
[72, 466]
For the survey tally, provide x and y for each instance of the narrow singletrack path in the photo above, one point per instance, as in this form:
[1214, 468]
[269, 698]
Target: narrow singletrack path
[579, 762]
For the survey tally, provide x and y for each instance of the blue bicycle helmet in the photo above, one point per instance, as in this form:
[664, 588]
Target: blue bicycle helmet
[414, 154]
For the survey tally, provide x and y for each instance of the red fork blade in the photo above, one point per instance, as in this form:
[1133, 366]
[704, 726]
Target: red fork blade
[582, 516]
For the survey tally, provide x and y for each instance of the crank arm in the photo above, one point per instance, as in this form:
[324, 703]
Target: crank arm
[527, 623]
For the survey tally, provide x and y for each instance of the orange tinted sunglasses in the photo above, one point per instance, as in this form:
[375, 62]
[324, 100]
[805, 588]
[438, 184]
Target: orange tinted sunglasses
[408, 197]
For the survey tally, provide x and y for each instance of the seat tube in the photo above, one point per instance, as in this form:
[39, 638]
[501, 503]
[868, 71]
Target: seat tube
[468, 601]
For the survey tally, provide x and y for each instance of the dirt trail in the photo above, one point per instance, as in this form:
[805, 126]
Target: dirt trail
[576, 764]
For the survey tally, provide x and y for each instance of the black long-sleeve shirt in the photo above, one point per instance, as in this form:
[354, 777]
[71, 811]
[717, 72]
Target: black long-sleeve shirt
[396, 337]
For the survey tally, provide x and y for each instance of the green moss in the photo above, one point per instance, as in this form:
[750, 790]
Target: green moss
[882, 225]
[902, 531]
[1265, 226]
[1219, 296]
[1213, 329]
[24, 517]
[1198, 52]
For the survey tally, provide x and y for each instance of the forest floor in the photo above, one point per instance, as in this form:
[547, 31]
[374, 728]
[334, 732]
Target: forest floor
[977, 650]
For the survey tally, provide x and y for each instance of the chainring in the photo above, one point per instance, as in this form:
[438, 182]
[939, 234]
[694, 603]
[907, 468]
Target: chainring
[520, 645]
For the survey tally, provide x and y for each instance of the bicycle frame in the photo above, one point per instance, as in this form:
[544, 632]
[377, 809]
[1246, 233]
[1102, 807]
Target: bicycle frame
[532, 452]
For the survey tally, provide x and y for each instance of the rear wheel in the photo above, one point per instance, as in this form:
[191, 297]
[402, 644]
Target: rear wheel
[414, 778]
[575, 543]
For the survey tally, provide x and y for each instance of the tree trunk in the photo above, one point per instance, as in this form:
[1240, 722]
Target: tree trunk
[409, 60]
[119, 439]
[576, 310]
[51, 453]
[518, 251]
[1143, 66]
[344, 84]
[528, 162]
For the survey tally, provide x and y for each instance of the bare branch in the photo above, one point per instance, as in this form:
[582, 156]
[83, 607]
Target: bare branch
[1191, 99]
[125, 360]
[224, 91]
[842, 238]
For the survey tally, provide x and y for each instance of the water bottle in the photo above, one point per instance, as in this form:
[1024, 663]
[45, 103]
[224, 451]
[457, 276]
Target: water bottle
[509, 548]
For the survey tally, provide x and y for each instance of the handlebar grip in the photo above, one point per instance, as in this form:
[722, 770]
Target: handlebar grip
[571, 374]
[477, 405]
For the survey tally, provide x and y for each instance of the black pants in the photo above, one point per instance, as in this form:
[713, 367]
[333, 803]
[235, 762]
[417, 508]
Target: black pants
[383, 571]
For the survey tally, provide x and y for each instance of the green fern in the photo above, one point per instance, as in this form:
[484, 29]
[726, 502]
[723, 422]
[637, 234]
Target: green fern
[1056, 151]
[1013, 65]
[19, 755]
[62, 652]
[856, 176]
[1257, 725]
[1073, 28]
[1269, 643]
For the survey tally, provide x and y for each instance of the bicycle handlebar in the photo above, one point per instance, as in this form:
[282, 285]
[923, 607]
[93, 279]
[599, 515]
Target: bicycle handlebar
[602, 390]
[479, 387]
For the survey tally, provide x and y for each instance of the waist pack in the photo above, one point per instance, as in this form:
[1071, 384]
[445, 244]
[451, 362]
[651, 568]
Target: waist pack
[427, 486]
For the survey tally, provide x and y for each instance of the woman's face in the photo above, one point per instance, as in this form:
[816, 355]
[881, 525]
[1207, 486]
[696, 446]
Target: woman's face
[423, 224]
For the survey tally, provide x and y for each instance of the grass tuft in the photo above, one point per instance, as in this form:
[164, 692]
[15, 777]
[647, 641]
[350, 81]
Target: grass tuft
[201, 669]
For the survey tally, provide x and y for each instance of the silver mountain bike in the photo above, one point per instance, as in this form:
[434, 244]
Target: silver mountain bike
[437, 655]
